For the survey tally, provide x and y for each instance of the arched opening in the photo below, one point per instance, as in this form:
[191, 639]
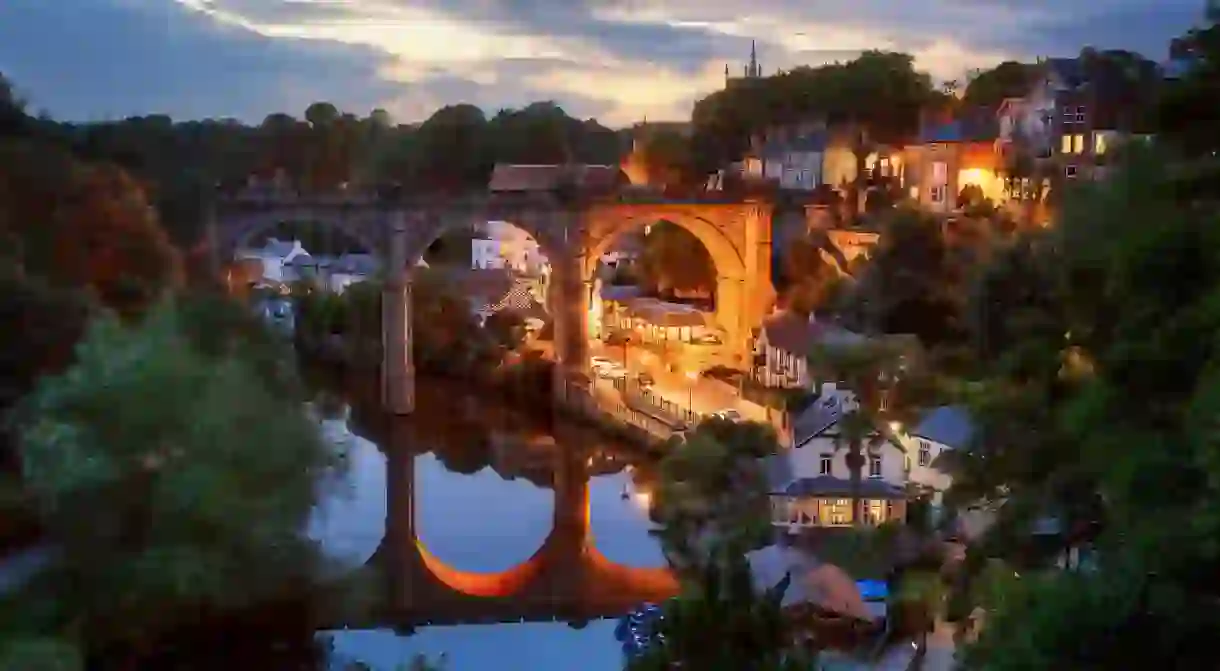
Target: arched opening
[273, 253]
[482, 290]
[682, 314]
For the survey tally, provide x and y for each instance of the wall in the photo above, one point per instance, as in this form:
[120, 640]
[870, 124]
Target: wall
[839, 166]
[806, 461]
[926, 475]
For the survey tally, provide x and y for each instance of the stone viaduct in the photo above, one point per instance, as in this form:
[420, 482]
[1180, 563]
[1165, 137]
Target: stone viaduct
[573, 235]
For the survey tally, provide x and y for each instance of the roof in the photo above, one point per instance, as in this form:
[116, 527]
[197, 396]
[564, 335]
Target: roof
[357, 264]
[818, 417]
[619, 292]
[791, 332]
[506, 178]
[978, 125]
[666, 314]
[948, 425]
[812, 142]
[827, 485]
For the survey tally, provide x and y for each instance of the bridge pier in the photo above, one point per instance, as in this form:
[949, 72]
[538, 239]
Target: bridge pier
[398, 364]
[570, 315]
[570, 523]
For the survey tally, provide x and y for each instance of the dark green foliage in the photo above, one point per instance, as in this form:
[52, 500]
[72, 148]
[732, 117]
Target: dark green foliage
[723, 623]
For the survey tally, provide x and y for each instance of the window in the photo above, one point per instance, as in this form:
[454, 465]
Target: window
[1080, 114]
[874, 466]
[925, 453]
[824, 465]
[1070, 171]
[938, 193]
[839, 509]
[1072, 144]
[1099, 144]
[883, 401]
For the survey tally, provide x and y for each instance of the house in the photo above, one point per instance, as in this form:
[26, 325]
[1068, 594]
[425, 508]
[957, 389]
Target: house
[1079, 110]
[784, 342]
[931, 446]
[952, 155]
[903, 464]
[273, 255]
[796, 164]
[502, 245]
[349, 269]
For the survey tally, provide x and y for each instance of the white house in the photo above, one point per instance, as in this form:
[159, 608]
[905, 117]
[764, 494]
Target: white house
[820, 480]
[274, 255]
[507, 247]
[930, 446]
[796, 164]
[349, 269]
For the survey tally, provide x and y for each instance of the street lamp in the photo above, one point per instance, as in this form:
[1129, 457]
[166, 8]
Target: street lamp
[692, 376]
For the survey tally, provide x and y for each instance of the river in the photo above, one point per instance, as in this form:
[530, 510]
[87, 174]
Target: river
[484, 501]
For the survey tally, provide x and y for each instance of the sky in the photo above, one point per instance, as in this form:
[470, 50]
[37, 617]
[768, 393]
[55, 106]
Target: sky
[618, 61]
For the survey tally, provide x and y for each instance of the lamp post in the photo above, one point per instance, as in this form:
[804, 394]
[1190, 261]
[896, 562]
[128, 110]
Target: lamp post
[691, 376]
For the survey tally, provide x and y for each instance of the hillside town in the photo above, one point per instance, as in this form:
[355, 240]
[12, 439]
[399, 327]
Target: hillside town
[853, 369]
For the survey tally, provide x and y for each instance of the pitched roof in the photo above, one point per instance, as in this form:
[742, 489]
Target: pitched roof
[506, 178]
[948, 425]
[819, 416]
[811, 142]
[827, 485]
[791, 332]
[977, 125]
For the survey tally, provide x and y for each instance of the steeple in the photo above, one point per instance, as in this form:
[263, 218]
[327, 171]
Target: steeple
[755, 70]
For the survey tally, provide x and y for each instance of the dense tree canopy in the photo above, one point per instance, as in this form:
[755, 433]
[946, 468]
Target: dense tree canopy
[1117, 357]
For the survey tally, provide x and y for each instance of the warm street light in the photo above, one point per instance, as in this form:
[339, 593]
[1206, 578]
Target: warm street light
[690, 391]
[895, 426]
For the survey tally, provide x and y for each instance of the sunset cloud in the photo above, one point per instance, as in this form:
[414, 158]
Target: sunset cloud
[616, 60]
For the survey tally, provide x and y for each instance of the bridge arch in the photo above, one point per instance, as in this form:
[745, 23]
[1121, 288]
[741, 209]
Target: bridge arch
[725, 255]
[359, 224]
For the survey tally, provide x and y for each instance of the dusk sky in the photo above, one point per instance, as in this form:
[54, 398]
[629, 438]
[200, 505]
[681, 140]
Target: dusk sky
[616, 60]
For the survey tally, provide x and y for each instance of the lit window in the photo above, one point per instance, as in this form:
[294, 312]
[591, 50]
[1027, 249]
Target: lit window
[883, 401]
[1099, 144]
[824, 465]
[874, 466]
[1066, 146]
[1070, 171]
[1077, 144]
[925, 453]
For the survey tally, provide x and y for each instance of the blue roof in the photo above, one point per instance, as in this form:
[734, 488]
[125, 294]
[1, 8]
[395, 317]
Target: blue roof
[974, 126]
[948, 425]
[813, 142]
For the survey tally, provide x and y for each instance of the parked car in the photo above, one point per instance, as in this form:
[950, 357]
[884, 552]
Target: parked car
[645, 380]
[728, 414]
[601, 362]
[612, 372]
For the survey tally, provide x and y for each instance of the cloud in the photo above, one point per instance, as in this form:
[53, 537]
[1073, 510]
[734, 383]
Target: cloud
[617, 60]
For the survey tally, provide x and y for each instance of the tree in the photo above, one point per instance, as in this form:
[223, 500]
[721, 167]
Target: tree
[84, 226]
[150, 461]
[1138, 306]
[675, 260]
[990, 88]
[712, 507]
[712, 498]
[667, 156]
[453, 149]
[914, 283]
[877, 98]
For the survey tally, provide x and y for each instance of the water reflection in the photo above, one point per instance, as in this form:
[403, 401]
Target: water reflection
[483, 483]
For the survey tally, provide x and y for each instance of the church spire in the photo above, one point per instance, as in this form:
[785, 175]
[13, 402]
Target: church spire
[755, 70]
